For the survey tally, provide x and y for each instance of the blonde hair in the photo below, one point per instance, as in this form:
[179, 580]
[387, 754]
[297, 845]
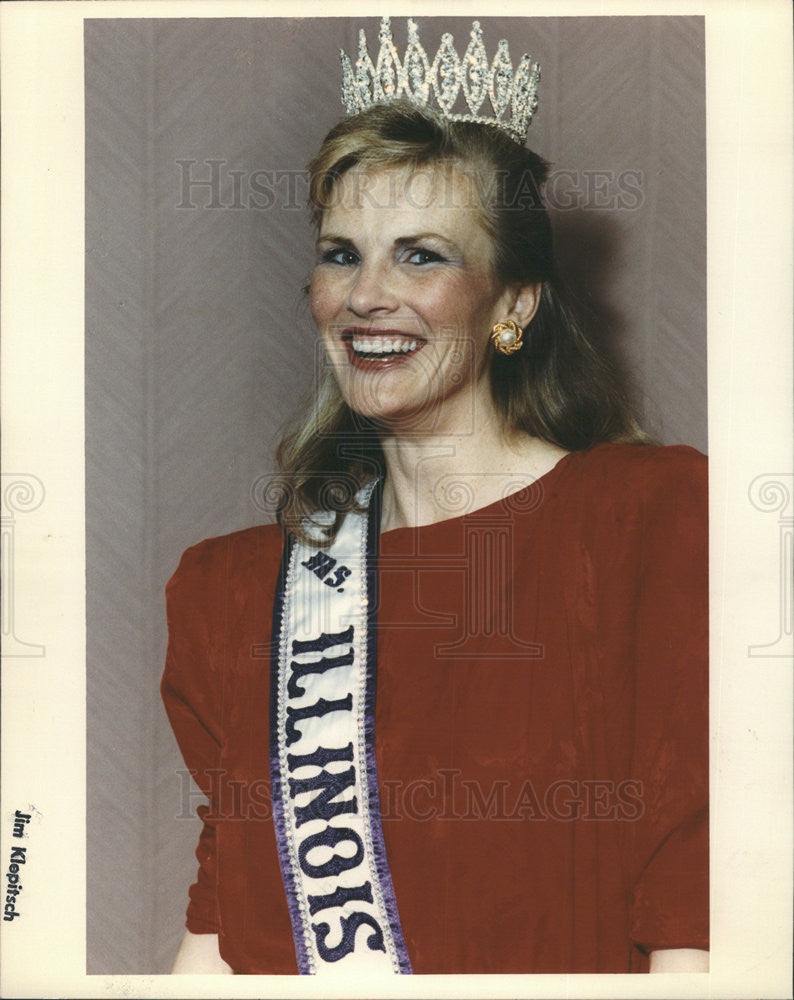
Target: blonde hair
[559, 387]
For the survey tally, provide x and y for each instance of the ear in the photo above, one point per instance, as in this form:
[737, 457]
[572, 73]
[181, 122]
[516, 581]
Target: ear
[525, 303]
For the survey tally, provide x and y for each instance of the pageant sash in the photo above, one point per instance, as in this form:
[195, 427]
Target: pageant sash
[324, 785]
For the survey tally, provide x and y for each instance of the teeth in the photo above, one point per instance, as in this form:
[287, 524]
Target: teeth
[377, 345]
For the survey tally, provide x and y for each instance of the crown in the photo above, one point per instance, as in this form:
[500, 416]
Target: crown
[416, 78]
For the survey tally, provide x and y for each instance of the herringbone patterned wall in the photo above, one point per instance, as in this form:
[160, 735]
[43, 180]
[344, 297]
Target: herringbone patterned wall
[199, 344]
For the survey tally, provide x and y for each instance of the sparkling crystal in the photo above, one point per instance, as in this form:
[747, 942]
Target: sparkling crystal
[416, 67]
[387, 75]
[501, 80]
[524, 93]
[365, 73]
[475, 70]
[349, 94]
[388, 66]
[448, 67]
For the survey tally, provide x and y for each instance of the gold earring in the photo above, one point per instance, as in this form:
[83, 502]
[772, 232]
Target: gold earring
[507, 337]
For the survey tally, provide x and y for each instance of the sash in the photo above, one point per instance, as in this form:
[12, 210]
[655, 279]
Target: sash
[324, 786]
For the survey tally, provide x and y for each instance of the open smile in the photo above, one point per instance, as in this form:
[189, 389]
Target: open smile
[378, 349]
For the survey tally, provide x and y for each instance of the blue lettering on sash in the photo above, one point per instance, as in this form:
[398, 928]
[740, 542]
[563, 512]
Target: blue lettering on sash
[299, 670]
[322, 642]
[319, 708]
[349, 927]
[341, 896]
[319, 757]
[341, 574]
[330, 837]
[329, 785]
[321, 563]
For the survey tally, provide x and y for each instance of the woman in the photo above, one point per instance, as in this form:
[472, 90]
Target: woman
[471, 516]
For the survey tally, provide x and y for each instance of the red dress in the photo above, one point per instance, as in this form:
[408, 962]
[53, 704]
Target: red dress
[541, 724]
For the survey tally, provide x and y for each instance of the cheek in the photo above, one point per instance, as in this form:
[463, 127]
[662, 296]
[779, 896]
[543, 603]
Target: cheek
[446, 302]
[465, 306]
[323, 299]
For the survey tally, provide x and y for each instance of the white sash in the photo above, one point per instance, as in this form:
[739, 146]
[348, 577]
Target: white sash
[324, 785]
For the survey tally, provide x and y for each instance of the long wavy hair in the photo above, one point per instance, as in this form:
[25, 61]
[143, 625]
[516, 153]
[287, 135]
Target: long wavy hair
[559, 387]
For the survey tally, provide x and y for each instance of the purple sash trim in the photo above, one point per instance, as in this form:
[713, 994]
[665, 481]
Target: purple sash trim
[276, 779]
[376, 827]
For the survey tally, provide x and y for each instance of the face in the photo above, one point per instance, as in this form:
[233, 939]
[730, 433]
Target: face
[404, 297]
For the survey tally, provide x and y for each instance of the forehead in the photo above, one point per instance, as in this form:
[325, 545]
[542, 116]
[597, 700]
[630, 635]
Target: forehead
[444, 195]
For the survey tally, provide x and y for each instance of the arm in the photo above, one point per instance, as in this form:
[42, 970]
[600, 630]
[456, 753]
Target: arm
[669, 846]
[198, 955]
[679, 960]
[192, 693]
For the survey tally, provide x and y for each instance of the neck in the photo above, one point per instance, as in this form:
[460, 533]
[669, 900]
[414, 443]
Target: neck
[434, 477]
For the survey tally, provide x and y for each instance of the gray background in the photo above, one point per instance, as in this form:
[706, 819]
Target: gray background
[199, 344]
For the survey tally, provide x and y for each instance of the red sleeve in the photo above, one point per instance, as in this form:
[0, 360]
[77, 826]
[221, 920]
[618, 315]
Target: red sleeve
[670, 845]
[192, 692]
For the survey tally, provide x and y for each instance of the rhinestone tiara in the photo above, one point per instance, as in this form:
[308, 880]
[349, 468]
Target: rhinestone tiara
[416, 78]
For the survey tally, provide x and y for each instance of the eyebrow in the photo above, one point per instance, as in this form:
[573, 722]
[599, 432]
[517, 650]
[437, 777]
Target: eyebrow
[401, 241]
[421, 237]
[341, 241]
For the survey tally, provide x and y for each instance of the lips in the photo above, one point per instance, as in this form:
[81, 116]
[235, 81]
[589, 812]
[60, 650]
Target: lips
[371, 350]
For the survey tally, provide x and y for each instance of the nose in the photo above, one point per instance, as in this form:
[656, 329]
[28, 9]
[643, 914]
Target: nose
[371, 290]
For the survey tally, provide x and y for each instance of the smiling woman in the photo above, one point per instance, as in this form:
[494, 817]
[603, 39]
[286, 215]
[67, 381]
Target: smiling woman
[412, 298]
[485, 601]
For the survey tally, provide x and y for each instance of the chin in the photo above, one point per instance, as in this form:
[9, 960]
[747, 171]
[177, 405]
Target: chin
[385, 404]
[387, 418]
[390, 416]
